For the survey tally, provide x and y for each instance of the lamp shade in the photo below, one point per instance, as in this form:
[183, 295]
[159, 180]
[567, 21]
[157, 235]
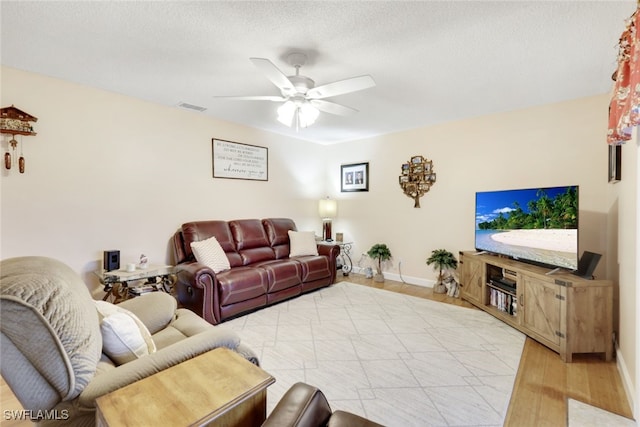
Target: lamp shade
[298, 112]
[327, 208]
[286, 112]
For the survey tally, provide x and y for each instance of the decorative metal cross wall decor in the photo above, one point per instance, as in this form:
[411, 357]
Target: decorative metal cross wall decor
[417, 178]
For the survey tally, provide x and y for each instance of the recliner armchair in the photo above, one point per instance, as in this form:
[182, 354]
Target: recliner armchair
[51, 342]
[306, 406]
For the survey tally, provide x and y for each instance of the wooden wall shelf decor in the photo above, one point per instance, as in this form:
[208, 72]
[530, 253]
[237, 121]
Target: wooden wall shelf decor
[14, 121]
[417, 178]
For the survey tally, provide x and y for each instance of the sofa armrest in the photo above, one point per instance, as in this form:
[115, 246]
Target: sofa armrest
[155, 309]
[196, 288]
[332, 251]
[301, 406]
[146, 366]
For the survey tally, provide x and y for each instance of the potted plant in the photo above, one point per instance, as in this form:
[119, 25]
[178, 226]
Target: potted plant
[379, 252]
[442, 261]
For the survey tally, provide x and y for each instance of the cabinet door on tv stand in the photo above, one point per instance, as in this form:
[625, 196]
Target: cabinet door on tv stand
[541, 310]
[589, 319]
[472, 278]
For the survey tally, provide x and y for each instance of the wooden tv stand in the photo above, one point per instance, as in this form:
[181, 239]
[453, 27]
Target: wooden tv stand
[565, 312]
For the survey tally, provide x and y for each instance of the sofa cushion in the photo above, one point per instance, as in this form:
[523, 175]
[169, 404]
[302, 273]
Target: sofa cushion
[277, 233]
[210, 253]
[302, 243]
[200, 230]
[314, 267]
[248, 233]
[282, 273]
[241, 284]
[124, 336]
[277, 230]
[251, 241]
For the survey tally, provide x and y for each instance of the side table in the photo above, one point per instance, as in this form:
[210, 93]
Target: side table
[344, 257]
[116, 282]
[219, 387]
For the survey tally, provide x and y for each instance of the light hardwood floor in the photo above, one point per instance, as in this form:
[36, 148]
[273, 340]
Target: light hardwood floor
[543, 383]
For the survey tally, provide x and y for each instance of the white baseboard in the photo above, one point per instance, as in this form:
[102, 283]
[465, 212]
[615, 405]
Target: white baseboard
[428, 283]
[626, 380]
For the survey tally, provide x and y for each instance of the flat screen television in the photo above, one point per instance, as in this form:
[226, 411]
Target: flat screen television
[535, 225]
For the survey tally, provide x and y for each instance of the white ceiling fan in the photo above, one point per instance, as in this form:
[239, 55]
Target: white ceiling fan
[302, 100]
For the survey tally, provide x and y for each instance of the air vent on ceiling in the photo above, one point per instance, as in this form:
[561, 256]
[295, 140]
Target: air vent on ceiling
[191, 106]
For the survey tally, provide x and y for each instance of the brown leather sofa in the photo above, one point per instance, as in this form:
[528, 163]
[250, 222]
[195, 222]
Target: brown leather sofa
[261, 271]
[306, 406]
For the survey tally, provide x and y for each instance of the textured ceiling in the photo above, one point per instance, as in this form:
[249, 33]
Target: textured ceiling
[432, 61]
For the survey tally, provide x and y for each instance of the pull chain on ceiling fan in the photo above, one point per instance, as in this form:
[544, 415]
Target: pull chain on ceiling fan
[302, 100]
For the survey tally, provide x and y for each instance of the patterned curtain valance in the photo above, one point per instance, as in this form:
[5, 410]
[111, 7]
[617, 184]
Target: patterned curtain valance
[624, 110]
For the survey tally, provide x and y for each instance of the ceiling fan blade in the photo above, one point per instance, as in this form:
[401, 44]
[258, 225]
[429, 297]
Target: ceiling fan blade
[272, 72]
[340, 87]
[332, 107]
[273, 98]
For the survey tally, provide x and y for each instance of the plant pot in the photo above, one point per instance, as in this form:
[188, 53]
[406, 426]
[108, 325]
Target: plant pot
[439, 288]
[378, 278]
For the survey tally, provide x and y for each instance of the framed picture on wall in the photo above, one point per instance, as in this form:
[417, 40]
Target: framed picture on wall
[235, 160]
[615, 159]
[354, 177]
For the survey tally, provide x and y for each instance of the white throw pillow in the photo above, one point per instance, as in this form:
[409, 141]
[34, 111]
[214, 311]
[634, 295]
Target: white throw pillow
[124, 336]
[210, 253]
[302, 243]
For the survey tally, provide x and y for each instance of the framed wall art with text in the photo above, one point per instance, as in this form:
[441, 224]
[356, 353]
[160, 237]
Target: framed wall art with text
[234, 160]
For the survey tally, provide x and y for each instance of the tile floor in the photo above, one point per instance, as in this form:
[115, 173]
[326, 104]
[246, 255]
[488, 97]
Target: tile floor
[395, 359]
[581, 414]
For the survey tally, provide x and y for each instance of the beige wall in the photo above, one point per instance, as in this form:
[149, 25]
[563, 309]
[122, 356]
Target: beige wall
[110, 172]
[623, 229]
[559, 144]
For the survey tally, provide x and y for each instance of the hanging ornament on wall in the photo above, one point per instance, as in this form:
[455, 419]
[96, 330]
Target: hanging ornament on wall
[417, 178]
[21, 160]
[7, 159]
[14, 121]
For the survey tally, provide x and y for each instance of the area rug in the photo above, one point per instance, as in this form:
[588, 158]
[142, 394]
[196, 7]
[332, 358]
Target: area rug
[395, 359]
[581, 414]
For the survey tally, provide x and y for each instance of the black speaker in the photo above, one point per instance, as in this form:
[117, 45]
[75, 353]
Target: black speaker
[111, 260]
[587, 265]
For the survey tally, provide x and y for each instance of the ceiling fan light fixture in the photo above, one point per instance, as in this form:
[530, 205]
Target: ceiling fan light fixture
[286, 112]
[307, 114]
[303, 114]
[303, 101]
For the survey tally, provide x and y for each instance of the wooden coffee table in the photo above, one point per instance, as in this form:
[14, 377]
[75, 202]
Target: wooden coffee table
[218, 388]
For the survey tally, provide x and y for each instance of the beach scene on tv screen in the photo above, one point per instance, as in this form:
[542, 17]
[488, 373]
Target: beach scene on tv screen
[538, 224]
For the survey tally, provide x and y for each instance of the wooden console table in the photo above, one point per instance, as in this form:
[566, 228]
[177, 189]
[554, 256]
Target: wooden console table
[218, 388]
